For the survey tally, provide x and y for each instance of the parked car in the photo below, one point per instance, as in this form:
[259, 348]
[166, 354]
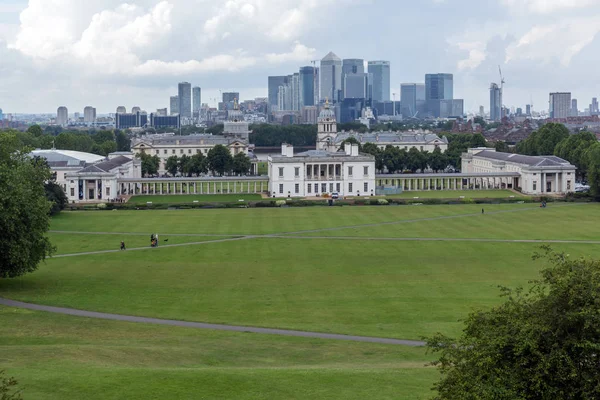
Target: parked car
[335, 196]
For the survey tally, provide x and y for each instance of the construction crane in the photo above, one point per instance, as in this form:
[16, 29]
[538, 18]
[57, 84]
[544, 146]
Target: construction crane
[394, 103]
[501, 93]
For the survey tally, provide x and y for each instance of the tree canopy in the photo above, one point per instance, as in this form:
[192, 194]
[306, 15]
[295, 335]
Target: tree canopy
[24, 209]
[540, 343]
[574, 149]
[219, 160]
[543, 141]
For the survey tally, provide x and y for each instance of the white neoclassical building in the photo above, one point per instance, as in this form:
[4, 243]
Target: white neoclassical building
[328, 138]
[320, 172]
[62, 162]
[538, 174]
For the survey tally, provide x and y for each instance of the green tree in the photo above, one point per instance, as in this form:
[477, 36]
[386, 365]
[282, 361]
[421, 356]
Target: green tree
[416, 160]
[219, 160]
[538, 344]
[574, 148]
[543, 142]
[198, 164]
[477, 140]
[101, 137]
[122, 140]
[394, 159]
[35, 130]
[438, 161]
[185, 165]
[592, 161]
[241, 164]
[150, 164]
[351, 140]
[502, 147]
[8, 388]
[55, 194]
[374, 150]
[216, 129]
[24, 209]
[480, 121]
[172, 165]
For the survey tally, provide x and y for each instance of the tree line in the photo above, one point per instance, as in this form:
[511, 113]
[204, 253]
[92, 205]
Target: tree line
[218, 161]
[101, 142]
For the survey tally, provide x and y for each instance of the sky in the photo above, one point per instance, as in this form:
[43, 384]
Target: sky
[107, 53]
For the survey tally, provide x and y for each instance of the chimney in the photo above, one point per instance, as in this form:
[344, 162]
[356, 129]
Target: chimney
[348, 149]
[354, 150]
[287, 150]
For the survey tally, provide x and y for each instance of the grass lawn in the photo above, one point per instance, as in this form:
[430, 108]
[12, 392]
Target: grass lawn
[190, 198]
[56, 357]
[455, 194]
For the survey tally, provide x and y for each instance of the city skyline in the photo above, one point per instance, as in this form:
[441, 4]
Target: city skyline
[90, 61]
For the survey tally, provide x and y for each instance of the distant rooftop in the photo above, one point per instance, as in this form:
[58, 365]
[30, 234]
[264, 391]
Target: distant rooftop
[532, 161]
[67, 157]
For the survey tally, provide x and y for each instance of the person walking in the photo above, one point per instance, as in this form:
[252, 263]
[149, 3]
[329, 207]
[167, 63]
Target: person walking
[123, 245]
[482, 211]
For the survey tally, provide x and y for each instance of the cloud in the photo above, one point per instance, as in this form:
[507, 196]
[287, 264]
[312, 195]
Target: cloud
[476, 55]
[547, 6]
[300, 53]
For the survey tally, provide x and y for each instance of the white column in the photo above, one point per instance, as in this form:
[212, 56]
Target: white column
[556, 189]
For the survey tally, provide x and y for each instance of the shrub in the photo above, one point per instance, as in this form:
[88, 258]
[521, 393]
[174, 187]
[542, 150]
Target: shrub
[280, 203]
[101, 206]
[382, 202]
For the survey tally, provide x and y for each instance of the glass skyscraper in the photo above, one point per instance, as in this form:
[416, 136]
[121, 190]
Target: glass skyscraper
[380, 71]
[438, 87]
[331, 77]
[197, 101]
[185, 100]
[307, 86]
[495, 102]
[174, 105]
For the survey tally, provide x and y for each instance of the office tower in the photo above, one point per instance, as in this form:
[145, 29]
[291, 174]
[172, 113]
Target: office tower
[89, 114]
[528, 109]
[230, 97]
[284, 98]
[296, 92]
[380, 81]
[331, 77]
[164, 121]
[135, 109]
[185, 99]
[519, 111]
[574, 109]
[174, 103]
[560, 104]
[121, 110]
[161, 112]
[274, 83]
[594, 106]
[451, 108]
[495, 103]
[481, 111]
[1, 115]
[408, 99]
[307, 77]
[132, 120]
[352, 67]
[355, 86]
[196, 101]
[62, 116]
[438, 87]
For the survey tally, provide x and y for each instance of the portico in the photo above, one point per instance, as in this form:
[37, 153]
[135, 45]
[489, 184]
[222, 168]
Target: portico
[204, 185]
[458, 181]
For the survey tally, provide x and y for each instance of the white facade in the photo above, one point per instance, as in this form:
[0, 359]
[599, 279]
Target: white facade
[538, 174]
[319, 172]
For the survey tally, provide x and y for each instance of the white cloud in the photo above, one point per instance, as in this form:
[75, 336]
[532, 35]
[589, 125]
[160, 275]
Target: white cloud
[300, 53]
[547, 6]
[476, 54]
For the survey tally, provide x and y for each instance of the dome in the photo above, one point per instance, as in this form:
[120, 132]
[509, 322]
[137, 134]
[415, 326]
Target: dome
[326, 114]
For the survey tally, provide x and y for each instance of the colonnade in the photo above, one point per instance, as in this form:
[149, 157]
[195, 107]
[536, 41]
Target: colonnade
[446, 183]
[324, 171]
[143, 187]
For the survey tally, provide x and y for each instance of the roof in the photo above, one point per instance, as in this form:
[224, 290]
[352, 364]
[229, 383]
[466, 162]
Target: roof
[106, 166]
[190, 140]
[391, 137]
[67, 158]
[531, 161]
[331, 56]
[321, 155]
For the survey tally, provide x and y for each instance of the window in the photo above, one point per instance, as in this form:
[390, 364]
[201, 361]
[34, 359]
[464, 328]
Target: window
[534, 185]
[323, 188]
[157, 151]
[337, 187]
[205, 151]
[197, 151]
[421, 148]
[349, 188]
[189, 151]
[107, 191]
[281, 188]
[331, 188]
[173, 151]
[281, 172]
[72, 192]
[568, 185]
[316, 188]
[309, 188]
[350, 170]
[165, 151]
[297, 172]
[180, 151]
[366, 187]
[366, 170]
[65, 176]
[297, 188]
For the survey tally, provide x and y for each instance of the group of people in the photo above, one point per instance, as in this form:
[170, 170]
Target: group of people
[154, 240]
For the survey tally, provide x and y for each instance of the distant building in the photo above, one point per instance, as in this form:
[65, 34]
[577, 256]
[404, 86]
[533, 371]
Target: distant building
[309, 115]
[62, 162]
[274, 83]
[594, 106]
[331, 77]
[135, 109]
[380, 71]
[481, 111]
[174, 103]
[196, 101]
[185, 99]
[89, 114]
[308, 78]
[574, 109]
[528, 109]
[62, 116]
[438, 87]
[451, 108]
[121, 110]
[1, 115]
[538, 174]
[230, 97]
[560, 104]
[127, 121]
[354, 79]
[162, 112]
[495, 103]
[164, 120]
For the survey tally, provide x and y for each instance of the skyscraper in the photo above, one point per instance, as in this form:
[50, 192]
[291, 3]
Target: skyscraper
[230, 97]
[1, 115]
[89, 114]
[185, 100]
[560, 104]
[307, 76]
[331, 77]
[408, 99]
[594, 106]
[174, 103]
[274, 83]
[528, 109]
[135, 109]
[121, 110]
[351, 67]
[380, 71]
[62, 116]
[495, 103]
[197, 101]
[574, 109]
[438, 87]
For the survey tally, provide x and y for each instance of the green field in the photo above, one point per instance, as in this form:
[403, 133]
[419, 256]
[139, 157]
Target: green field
[323, 269]
[190, 198]
[455, 194]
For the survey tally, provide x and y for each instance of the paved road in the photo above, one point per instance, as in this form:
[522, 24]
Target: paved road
[146, 234]
[200, 325]
[426, 239]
